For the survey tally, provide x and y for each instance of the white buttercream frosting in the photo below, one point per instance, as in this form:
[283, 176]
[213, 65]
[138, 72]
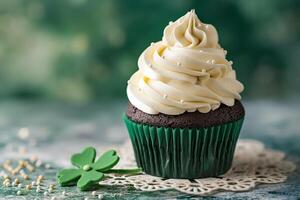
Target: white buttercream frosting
[186, 71]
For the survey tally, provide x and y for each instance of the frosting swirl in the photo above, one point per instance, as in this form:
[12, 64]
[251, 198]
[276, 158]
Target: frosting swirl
[186, 71]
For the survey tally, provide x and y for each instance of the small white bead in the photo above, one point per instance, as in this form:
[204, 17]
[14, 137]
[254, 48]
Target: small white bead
[38, 190]
[63, 193]
[100, 196]
[165, 96]
[47, 166]
[181, 101]
[225, 52]
[53, 198]
[230, 62]
[152, 43]
[38, 163]
[213, 61]
[20, 185]
[23, 133]
[46, 193]
[33, 183]
[86, 198]
[14, 184]
[94, 193]
[19, 192]
[50, 190]
[170, 22]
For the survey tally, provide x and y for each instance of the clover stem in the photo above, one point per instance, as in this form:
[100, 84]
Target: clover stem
[124, 171]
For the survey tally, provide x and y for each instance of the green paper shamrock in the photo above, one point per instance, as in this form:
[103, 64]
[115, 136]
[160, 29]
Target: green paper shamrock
[88, 171]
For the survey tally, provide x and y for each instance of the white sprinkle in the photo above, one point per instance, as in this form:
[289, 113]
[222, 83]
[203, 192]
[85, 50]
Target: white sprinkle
[46, 193]
[207, 26]
[152, 43]
[170, 22]
[38, 190]
[33, 183]
[20, 185]
[63, 193]
[94, 193]
[225, 52]
[181, 101]
[38, 163]
[100, 196]
[19, 192]
[178, 64]
[23, 133]
[165, 96]
[86, 198]
[208, 61]
[47, 166]
[213, 61]
[50, 190]
[53, 198]
[7, 184]
[14, 184]
[230, 62]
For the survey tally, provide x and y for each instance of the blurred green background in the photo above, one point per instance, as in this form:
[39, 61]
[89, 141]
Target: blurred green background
[85, 50]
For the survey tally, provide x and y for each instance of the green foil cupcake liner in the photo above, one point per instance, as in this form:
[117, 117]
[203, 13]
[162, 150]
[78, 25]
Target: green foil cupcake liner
[184, 152]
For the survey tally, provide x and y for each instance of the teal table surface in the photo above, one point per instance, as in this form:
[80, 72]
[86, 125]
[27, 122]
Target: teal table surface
[57, 130]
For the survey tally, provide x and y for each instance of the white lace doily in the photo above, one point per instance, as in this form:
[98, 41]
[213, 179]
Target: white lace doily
[252, 165]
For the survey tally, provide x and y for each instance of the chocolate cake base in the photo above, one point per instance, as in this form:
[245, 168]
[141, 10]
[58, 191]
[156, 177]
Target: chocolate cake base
[195, 119]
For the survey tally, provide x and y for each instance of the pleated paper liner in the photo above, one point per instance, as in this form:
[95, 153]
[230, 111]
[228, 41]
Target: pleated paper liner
[184, 152]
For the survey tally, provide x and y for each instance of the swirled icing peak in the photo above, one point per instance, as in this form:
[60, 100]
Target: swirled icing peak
[185, 72]
[188, 31]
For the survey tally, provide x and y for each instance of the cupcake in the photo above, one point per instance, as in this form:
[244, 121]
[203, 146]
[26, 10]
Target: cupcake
[184, 114]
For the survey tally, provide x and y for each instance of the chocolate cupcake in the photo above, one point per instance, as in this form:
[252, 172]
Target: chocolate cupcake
[185, 114]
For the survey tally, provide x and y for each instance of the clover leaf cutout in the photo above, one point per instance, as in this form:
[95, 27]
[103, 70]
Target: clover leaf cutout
[88, 170]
